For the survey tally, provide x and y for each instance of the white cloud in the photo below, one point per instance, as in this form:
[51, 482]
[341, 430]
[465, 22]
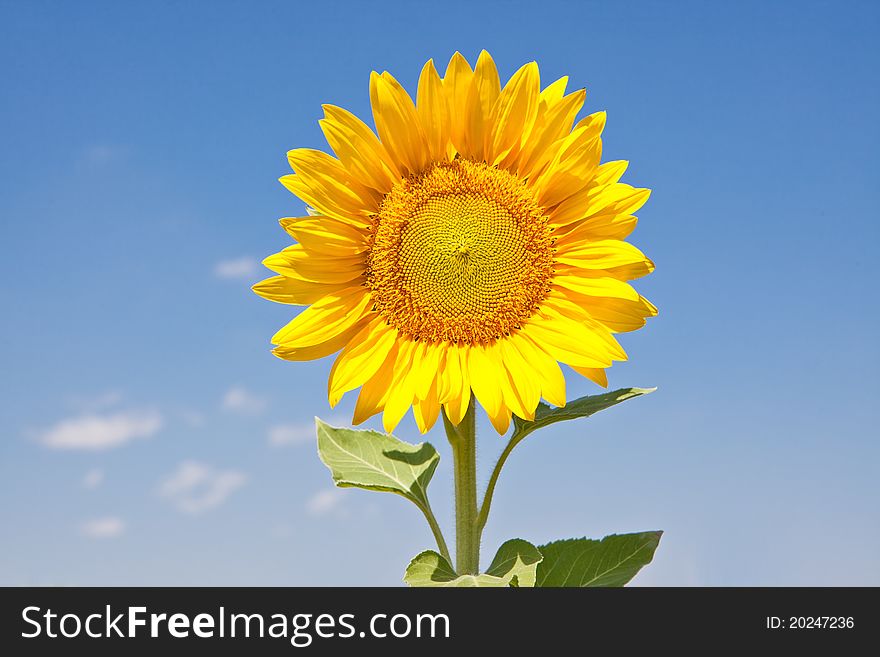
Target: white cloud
[93, 478]
[325, 501]
[109, 527]
[97, 432]
[291, 434]
[196, 487]
[96, 403]
[240, 400]
[282, 435]
[236, 269]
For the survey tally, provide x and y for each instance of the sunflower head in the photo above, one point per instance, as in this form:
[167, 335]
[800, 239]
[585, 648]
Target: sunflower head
[473, 245]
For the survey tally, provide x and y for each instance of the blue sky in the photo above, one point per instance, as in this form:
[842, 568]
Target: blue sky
[138, 187]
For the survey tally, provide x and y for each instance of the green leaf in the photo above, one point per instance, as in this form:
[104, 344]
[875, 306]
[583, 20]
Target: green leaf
[584, 407]
[377, 461]
[517, 562]
[430, 569]
[613, 561]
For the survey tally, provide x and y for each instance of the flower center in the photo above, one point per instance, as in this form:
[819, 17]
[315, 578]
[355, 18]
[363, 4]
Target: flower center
[459, 253]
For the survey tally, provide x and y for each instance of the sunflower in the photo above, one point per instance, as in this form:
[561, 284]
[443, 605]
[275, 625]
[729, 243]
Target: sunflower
[472, 246]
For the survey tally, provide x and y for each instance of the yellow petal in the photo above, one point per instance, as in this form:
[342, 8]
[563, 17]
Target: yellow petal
[522, 378]
[484, 368]
[326, 201]
[610, 172]
[296, 263]
[427, 410]
[552, 124]
[599, 227]
[326, 236]
[484, 91]
[401, 394]
[619, 315]
[619, 199]
[442, 377]
[458, 407]
[313, 352]
[361, 359]
[575, 162]
[513, 397]
[545, 368]
[632, 271]
[283, 289]
[618, 258]
[458, 391]
[616, 199]
[457, 86]
[326, 318]
[600, 286]
[486, 80]
[593, 374]
[325, 175]
[555, 337]
[426, 368]
[359, 150]
[562, 314]
[500, 419]
[433, 109]
[583, 202]
[398, 123]
[514, 112]
[374, 392]
[555, 91]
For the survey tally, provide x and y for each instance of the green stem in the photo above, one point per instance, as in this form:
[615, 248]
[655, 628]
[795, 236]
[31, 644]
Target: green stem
[438, 533]
[483, 515]
[463, 439]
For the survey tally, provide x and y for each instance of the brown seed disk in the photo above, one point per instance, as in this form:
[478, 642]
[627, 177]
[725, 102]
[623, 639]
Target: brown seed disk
[459, 253]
